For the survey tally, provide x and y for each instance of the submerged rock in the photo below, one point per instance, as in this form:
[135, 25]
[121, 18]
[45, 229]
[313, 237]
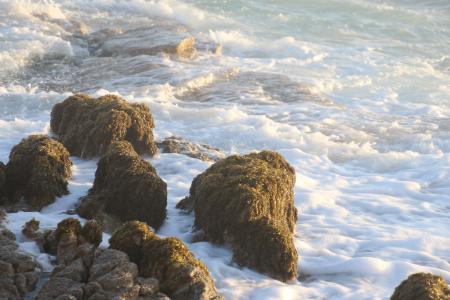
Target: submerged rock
[249, 201]
[19, 272]
[3, 194]
[422, 286]
[203, 152]
[38, 170]
[181, 275]
[87, 126]
[126, 187]
[93, 273]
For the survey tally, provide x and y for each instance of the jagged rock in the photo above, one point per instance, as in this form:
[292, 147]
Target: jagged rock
[3, 194]
[31, 229]
[70, 240]
[87, 126]
[180, 274]
[127, 187]
[249, 201]
[38, 170]
[422, 286]
[203, 152]
[86, 272]
[19, 272]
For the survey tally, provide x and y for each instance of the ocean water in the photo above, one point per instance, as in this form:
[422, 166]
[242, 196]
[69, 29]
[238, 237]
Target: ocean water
[354, 93]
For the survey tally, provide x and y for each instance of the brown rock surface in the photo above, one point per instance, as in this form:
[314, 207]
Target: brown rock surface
[249, 201]
[126, 187]
[37, 170]
[87, 126]
[422, 286]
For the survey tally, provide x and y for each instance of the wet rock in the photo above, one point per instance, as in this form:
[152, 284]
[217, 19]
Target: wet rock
[70, 240]
[38, 170]
[87, 126]
[3, 194]
[422, 286]
[203, 152]
[19, 272]
[180, 274]
[31, 229]
[127, 187]
[249, 201]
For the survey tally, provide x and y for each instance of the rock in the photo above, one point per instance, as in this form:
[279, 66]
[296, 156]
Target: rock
[3, 193]
[87, 126]
[31, 229]
[19, 272]
[86, 272]
[422, 286]
[239, 199]
[180, 274]
[130, 238]
[38, 170]
[106, 274]
[70, 240]
[127, 187]
[203, 152]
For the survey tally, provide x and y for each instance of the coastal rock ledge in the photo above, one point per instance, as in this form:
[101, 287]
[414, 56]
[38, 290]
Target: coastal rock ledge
[422, 286]
[248, 201]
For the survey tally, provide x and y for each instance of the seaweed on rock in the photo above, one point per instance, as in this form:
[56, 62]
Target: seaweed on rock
[422, 286]
[181, 275]
[126, 187]
[249, 201]
[87, 126]
[38, 170]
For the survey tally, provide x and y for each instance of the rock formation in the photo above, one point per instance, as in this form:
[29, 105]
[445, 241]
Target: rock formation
[422, 286]
[248, 201]
[87, 272]
[181, 275]
[38, 170]
[126, 187]
[203, 152]
[3, 194]
[87, 126]
[19, 272]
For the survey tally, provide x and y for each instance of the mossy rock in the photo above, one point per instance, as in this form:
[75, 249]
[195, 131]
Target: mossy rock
[130, 238]
[127, 187]
[3, 193]
[232, 197]
[31, 229]
[38, 170]
[180, 274]
[92, 232]
[422, 286]
[87, 126]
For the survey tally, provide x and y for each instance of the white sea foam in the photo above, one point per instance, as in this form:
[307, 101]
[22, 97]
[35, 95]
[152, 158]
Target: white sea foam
[353, 93]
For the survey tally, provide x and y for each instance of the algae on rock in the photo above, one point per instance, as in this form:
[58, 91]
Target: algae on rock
[38, 170]
[126, 187]
[87, 126]
[181, 275]
[249, 201]
[422, 286]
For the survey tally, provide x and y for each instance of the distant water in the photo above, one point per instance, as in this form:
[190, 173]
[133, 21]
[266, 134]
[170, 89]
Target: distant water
[354, 93]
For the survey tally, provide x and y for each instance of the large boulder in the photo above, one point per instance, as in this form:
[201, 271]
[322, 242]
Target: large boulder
[181, 275]
[249, 201]
[87, 126]
[422, 286]
[38, 170]
[19, 272]
[126, 187]
[87, 272]
[3, 194]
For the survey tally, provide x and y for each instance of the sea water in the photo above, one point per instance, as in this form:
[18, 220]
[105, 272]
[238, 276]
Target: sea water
[354, 93]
